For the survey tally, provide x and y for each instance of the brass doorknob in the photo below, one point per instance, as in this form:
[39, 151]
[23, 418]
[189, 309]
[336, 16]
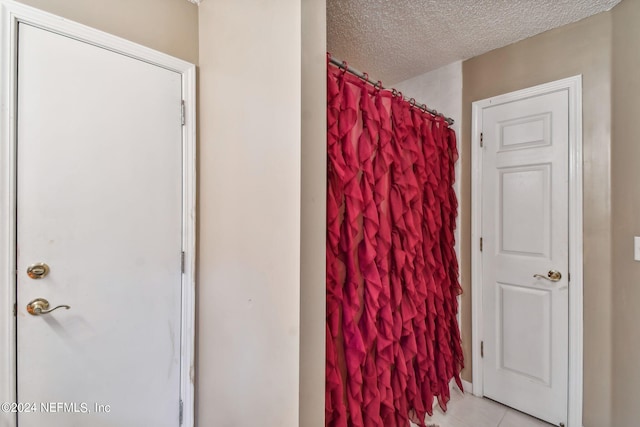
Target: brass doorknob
[38, 271]
[552, 276]
[41, 306]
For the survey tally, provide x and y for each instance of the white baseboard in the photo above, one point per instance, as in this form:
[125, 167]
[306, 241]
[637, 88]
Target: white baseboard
[468, 387]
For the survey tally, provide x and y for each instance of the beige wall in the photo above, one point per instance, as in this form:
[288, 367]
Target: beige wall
[170, 26]
[441, 89]
[626, 213]
[313, 214]
[581, 48]
[249, 191]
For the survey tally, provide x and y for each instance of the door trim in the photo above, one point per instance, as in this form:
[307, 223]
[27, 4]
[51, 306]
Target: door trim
[12, 13]
[574, 87]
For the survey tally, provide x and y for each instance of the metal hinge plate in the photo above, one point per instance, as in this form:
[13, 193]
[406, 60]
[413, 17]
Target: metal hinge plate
[181, 411]
[182, 112]
[182, 262]
[481, 348]
[481, 244]
[481, 139]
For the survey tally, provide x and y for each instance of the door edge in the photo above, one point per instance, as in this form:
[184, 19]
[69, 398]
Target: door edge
[11, 14]
[575, 379]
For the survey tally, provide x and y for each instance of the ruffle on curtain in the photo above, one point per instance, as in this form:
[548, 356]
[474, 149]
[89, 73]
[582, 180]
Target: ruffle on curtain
[393, 341]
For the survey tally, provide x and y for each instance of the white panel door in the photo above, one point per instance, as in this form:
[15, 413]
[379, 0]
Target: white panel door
[99, 200]
[525, 233]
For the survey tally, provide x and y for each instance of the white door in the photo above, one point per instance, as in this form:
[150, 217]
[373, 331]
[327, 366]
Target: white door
[525, 233]
[99, 182]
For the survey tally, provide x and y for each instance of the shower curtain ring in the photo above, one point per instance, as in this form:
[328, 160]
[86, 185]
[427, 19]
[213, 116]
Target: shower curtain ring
[378, 86]
[345, 67]
[366, 77]
[412, 102]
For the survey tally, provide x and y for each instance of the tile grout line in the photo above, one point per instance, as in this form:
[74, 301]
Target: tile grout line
[502, 419]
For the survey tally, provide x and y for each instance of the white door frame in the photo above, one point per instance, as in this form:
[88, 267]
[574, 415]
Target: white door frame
[574, 87]
[12, 13]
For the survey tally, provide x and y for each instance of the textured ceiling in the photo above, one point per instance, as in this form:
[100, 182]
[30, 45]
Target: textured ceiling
[397, 39]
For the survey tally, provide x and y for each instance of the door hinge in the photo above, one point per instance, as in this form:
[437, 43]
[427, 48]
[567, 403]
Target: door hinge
[481, 348]
[182, 262]
[181, 412]
[481, 139]
[182, 112]
[481, 244]
[15, 310]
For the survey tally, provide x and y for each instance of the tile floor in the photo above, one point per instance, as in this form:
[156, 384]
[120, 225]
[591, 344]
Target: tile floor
[466, 410]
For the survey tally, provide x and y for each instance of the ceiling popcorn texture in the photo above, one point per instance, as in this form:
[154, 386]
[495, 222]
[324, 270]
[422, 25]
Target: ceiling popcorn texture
[399, 39]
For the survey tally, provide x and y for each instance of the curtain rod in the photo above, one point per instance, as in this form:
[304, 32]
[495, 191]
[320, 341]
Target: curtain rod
[343, 65]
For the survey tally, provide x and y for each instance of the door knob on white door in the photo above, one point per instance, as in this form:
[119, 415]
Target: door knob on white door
[38, 271]
[41, 306]
[552, 276]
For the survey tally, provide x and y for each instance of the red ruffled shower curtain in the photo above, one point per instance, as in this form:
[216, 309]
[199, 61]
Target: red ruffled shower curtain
[393, 341]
